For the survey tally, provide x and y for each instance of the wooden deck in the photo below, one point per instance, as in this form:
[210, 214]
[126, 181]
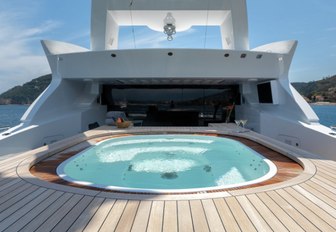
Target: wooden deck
[306, 204]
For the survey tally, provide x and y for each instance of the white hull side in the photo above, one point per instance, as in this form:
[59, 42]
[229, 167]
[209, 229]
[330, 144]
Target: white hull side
[289, 119]
[63, 110]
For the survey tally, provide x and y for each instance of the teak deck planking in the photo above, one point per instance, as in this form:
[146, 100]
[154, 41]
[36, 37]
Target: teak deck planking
[304, 206]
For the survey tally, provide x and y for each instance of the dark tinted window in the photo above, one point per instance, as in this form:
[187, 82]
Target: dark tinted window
[265, 93]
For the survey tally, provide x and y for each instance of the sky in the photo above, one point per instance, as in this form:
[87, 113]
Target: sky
[24, 23]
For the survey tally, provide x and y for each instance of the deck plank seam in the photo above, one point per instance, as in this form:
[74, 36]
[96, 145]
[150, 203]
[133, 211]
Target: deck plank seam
[120, 215]
[324, 211]
[64, 215]
[216, 210]
[235, 198]
[323, 198]
[152, 214]
[270, 210]
[163, 216]
[123, 213]
[18, 203]
[106, 215]
[43, 196]
[316, 189]
[4, 179]
[88, 221]
[150, 210]
[136, 211]
[51, 208]
[324, 192]
[311, 213]
[249, 206]
[325, 166]
[324, 179]
[193, 212]
[177, 220]
[329, 163]
[295, 212]
[220, 214]
[325, 169]
[40, 212]
[137, 215]
[328, 173]
[62, 218]
[327, 177]
[206, 218]
[9, 186]
[14, 196]
[84, 208]
[281, 210]
[260, 213]
[192, 221]
[184, 205]
[324, 184]
[103, 221]
[227, 205]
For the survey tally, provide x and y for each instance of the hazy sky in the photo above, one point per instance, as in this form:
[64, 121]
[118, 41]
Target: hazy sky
[24, 23]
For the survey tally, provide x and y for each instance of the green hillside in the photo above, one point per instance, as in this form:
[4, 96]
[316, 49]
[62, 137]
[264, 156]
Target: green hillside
[26, 93]
[322, 90]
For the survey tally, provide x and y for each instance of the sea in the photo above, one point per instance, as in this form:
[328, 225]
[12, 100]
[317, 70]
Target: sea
[10, 114]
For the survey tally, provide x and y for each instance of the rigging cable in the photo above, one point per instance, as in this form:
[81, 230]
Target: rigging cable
[131, 15]
[206, 25]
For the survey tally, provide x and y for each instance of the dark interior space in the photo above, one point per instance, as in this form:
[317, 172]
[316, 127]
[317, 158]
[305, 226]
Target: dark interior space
[265, 92]
[173, 105]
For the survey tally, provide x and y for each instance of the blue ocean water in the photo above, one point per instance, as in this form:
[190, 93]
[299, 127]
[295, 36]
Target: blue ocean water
[326, 113]
[10, 114]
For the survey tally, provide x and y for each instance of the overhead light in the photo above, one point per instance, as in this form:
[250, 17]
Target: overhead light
[169, 30]
[169, 27]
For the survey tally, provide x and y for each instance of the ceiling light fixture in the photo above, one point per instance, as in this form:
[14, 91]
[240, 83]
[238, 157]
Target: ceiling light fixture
[169, 27]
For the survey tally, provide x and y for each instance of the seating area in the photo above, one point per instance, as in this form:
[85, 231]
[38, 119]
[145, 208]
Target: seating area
[120, 120]
[154, 116]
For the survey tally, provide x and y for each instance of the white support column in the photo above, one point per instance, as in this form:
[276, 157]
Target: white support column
[98, 25]
[227, 35]
[112, 32]
[240, 25]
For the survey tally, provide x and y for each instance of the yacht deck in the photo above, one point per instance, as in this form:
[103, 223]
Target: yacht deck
[304, 203]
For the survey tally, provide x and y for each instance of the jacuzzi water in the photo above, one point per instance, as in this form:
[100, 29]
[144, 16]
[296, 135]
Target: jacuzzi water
[167, 163]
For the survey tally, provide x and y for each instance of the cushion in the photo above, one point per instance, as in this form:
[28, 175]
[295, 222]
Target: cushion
[110, 121]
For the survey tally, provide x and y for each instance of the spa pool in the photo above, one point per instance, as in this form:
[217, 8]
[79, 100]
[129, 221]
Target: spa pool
[167, 163]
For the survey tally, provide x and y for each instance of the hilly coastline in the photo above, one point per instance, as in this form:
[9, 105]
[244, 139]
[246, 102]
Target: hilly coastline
[27, 93]
[315, 91]
[318, 91]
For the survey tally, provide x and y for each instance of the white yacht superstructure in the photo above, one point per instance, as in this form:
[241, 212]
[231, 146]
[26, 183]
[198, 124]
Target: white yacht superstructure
[88, 83]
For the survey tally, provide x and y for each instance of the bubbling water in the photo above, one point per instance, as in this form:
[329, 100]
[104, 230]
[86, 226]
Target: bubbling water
[168, 163]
